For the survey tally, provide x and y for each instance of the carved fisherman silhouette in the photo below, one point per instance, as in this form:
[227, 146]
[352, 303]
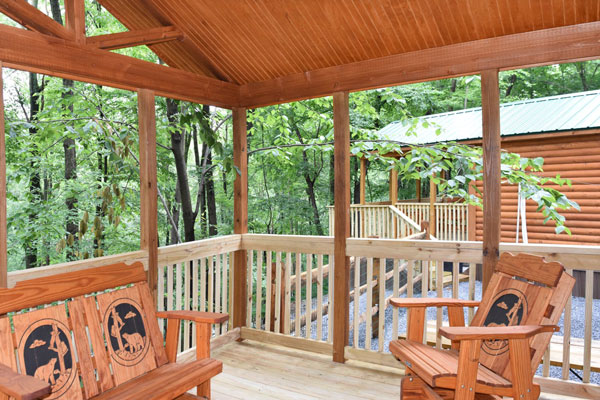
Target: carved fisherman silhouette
[509, 307]
[47, 355]
[125, 326]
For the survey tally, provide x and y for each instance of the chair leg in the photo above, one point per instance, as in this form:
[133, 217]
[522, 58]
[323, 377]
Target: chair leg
[413, 388]
[520, 369]
[468, 363]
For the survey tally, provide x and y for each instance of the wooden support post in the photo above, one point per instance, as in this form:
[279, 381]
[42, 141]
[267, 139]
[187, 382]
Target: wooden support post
[490, 107]
[341, 129]
[3, 238]
[148, 189]
[471, 218]
[75, 18]
[432, 197]
[240, 215]
[363, 180]
[393, 186]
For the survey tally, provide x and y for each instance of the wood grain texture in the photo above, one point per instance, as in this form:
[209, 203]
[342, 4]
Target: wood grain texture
[196, 316]
[240, 214]
[341, 127]
[431, 302]
[21, 387]
[3, 232]
[148, 188]
[86, 366]
[493, 333]
[63, 286]
[32, 51]
[75, 19]
[149, 308]
[32, 18]
[134, 38]
[490, 110]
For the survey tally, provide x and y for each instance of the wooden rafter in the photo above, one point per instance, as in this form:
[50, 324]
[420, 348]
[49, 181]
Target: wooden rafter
[75, 18]
[548, 46]
[35, 52]
[31, 18]
[135, 38]
[3, 235]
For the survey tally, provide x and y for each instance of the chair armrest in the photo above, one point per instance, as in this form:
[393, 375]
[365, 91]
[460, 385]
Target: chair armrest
[196, 316]
[432, 302]
[495, 332]
[22, 387]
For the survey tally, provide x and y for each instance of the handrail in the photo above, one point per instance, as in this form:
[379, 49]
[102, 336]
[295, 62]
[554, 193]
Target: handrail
[406, 218]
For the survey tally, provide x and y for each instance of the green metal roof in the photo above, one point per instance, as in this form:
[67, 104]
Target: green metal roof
[544, 115]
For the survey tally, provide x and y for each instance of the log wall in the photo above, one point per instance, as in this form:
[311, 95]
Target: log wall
[573, 155]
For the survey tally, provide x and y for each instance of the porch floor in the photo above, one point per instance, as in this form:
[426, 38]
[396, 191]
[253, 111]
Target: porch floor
[253, 370]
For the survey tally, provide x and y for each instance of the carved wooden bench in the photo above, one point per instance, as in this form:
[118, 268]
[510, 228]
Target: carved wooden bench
[98, 344]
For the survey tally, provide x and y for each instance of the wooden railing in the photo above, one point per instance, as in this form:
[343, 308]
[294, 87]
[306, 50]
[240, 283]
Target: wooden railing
[451, 218]
[286, 275]
[378, 220]
[291, 279]
[197, 276]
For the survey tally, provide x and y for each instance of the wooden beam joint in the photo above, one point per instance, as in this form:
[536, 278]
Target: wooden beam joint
[33, 19]
[146, 37]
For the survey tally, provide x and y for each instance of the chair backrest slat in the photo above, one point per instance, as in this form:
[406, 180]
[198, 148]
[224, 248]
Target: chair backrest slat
[524, 290]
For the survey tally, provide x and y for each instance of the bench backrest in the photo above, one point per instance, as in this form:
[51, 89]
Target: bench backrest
[524, 290]
[112, 336]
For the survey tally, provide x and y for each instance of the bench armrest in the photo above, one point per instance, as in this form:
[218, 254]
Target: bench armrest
[495, 332]
[432, 302]
[196, 316]
[21, 387]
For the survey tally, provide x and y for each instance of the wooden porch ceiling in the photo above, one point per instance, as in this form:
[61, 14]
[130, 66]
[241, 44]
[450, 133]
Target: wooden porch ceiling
[248, 53]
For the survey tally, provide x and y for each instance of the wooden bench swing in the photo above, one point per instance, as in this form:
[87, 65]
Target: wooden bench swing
[498, 354]
[98, 344]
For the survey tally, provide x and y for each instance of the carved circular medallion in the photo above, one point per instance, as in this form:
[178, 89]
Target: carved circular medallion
[45, 349]
[125, 329]
[509, 308]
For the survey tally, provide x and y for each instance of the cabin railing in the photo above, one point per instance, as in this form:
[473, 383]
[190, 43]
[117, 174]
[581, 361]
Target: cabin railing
[378, 220]
[451, 218]
[290, 279]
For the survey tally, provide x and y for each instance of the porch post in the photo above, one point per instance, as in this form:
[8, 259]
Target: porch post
[393, 186]
[363, 180]
[3, 245]
[432, 197]
[240, 215]
[75, 18]
[490, 107]
[341, 130]
[148, 189]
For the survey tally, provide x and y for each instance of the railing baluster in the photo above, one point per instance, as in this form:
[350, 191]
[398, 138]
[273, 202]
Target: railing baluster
[356, 300]
[249, 286]
[472, 275]
[566, 356]
[587, 339]
[161, 295]
[287, 313]
[268, 296]
[170, 287]
[298, 294]
[278, 273]
[194, 296]
[203, 284]
[308, 305]
[259, 280]
[395, 293]
[369, 310]
[410, 284]
[455, 279]
[439, 286]
[330, 299]
[381, 310]
[186, 303]
[320, 297]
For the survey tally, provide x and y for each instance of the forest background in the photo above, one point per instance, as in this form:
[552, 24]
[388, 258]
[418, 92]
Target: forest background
[72, 155]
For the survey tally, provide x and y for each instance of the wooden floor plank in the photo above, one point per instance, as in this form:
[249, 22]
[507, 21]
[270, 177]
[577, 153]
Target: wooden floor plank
[253, 370]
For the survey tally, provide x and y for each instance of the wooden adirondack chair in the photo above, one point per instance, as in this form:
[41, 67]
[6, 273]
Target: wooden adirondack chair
[498, 354]
[98, 346]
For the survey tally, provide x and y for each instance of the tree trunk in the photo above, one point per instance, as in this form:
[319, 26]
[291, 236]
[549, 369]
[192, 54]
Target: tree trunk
[178, 143]
[511, 80]
[211, 204]
[356, 171]
[72, 226]
[35, 189]
[581, 70]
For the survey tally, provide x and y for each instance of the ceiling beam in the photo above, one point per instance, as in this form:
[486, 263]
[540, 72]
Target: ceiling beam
[31, 18]
[543, 47]
[32, 51]
[135, 38]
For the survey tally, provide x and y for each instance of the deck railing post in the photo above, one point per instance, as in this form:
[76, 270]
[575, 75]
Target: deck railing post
[490, 108]
[240, 215]
[148, 188]
[3, 239]
[341, 129]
